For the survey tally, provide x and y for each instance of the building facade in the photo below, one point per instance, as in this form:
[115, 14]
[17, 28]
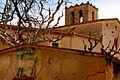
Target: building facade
[91, 26]
[67, 59]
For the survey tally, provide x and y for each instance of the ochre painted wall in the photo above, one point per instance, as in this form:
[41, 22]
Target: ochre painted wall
[76, 42]
[56, 64]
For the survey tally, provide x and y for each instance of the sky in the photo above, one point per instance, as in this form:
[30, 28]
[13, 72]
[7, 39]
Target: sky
[106, 8]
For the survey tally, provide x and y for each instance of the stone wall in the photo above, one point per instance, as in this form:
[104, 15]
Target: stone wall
[110, 31]
[72, 13]
[53, 64]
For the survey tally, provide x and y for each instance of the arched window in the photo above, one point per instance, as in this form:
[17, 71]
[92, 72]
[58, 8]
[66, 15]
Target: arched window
[81, 15]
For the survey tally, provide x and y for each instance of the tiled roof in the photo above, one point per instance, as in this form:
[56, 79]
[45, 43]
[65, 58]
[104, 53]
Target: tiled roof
[65, 33]
[94, 21]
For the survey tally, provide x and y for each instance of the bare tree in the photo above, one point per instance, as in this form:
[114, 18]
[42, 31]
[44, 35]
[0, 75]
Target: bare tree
[110, 50]
[92, 43]
[34, 19]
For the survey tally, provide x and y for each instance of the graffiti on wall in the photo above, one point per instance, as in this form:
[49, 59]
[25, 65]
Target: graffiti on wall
[26, 62]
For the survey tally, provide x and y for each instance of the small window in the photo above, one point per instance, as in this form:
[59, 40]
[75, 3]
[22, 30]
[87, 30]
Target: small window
[116, 27]
[93, 15]
[55, 44]
[72, 18]
[81, 13]
[113, 32]
[107, 24]
[81, 16]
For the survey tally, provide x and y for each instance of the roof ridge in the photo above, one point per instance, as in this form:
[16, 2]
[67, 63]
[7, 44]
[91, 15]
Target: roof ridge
[89, 22]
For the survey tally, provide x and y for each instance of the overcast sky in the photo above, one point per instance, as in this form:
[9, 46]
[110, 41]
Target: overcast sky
[107, 8]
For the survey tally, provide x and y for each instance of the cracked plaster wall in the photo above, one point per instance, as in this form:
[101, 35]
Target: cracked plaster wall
[56, 64]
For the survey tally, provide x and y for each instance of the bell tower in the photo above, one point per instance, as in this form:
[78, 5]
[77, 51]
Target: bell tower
[80, 13]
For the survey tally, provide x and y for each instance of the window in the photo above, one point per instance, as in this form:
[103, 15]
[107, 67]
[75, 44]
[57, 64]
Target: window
[107, 24]
[81, 19]
[72, 17]
[93, 15]
[81, 16]
[116, 27]
[113, 32]
[81, 13]
[55, 44]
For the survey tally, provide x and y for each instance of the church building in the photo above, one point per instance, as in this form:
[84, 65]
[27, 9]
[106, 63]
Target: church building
[82, 20]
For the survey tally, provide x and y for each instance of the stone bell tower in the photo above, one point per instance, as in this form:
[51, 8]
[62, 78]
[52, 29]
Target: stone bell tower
[80, 13]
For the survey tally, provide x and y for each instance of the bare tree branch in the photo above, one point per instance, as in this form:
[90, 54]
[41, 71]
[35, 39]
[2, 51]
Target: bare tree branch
[33, 19]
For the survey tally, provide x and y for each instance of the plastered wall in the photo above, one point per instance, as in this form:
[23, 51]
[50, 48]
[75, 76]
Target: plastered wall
[56, 64]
